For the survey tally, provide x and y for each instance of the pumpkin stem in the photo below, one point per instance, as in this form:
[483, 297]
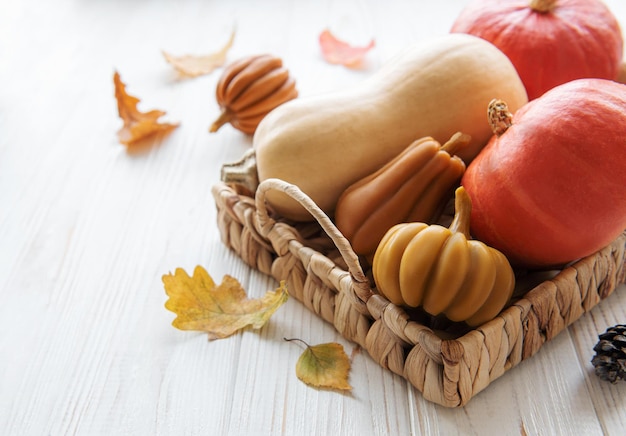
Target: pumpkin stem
[457, 142]
[500, 119]
[462, 210]
[542, 6]
[242, 173]
[224, 117]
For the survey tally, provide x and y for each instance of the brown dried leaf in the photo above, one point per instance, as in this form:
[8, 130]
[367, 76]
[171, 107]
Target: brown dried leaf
[220, 310]
[137, 125]
[324, 366]
[336, 51]
[523, 431]
[194, 65]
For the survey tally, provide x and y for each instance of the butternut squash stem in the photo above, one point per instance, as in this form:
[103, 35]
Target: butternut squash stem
[462, 210]
[542, 6]
[500, 119]
[224, 117]
[243, 172]
[456, 142]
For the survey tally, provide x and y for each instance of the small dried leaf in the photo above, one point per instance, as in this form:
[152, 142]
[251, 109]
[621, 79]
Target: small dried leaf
[194, 66]
[336, 51]
[523, 431]
[324, 366]
[137, 125]
[220, 310]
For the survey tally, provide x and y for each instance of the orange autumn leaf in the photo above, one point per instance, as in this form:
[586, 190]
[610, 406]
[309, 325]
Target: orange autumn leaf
[137, 125]
[324, 366]
[195, 65]
[336, 51]
[220, 311]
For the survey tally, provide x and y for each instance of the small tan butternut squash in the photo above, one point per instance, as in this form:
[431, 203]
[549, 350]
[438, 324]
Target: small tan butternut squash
[435, 88]
[414, 186]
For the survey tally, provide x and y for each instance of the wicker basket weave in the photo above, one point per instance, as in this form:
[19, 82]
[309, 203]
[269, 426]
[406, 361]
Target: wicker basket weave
[449, 367]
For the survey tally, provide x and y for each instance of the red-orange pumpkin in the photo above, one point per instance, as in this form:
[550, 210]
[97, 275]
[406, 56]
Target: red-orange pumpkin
[550, 42]
[552, 187]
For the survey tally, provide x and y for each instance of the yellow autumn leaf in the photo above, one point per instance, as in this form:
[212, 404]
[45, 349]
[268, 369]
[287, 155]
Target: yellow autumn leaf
[220, 311]
[324, 366]
[198, 65]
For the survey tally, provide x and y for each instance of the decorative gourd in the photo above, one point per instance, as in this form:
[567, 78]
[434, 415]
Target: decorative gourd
[443, 271]
[249, 88]
[414, 186]
[552, 187]
[325, 143]
[550, 42]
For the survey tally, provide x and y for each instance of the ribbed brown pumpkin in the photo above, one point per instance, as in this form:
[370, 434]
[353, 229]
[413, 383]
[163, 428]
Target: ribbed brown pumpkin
[414, 186]
[249, 89]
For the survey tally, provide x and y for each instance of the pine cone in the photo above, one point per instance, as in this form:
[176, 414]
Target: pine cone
[610, 358]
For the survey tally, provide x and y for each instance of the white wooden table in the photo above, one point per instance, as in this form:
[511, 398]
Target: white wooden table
[87, 230]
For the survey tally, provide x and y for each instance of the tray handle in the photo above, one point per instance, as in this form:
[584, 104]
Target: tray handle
[361, 284]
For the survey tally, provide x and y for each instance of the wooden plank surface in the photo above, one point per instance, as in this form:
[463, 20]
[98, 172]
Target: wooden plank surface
[87, 230]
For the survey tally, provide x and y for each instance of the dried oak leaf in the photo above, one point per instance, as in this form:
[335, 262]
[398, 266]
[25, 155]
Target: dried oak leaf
[195, 65]
[324, 366]
[336, 51]
[220, 310]
[137, 125]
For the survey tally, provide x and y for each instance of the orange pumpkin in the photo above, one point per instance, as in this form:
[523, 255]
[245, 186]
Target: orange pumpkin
[551, 188]
[550, 42]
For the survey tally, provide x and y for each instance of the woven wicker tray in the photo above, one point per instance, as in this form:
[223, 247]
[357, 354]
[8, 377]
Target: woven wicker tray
[448, 363]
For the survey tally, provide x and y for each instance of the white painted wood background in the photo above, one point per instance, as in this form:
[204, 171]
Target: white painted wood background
[88, 229]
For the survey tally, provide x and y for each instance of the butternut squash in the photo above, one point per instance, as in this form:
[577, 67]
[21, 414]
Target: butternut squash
[325, 143]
